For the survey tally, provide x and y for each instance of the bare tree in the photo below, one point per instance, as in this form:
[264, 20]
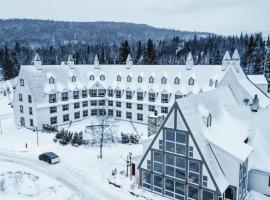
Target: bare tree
[101, 133]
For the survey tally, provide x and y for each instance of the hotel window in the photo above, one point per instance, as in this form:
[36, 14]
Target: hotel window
[102, 77]
[190, 151]
[102, 112]
[139, 117]
[65, 107]
[65, 117]
[21, 82]
[53, 109]
[139, 106]
[64, 96]
[93, 93]
[110, 112]
[158, 183]
[160, 144]
[84, 103]
[157, 162]
[206, 195]
[175, 167]
[139, 96]
[52, 98]
[73, 79]
[169, 187]
[151, 108]
[151, 79]
[101, 92]
[84, 93]
[92, 77]
[193, 193]
[175, 142]
[21, 109]
[93, 112]
[204, 181]
[30, 111]
[118, 113]
[139, 79]
[53, 120]
[128, 94]
[163, 80]
[20, 97]
[118, 78]
[29, 99]
[110, 103]
[101, 102]
[118, 104]
[110, 93]
[164, 98]
[194, 172]
[85, 113]
[93, 103]
[128, 78]
[191, 81]
[76, 105]
[176, 81]
[118, 93]
[146, 179]
[31, 122]
[76, 115]
[76, 95]
[51, 80]
[152, 97]
[164, 110]
[129, 105]
[128, 115]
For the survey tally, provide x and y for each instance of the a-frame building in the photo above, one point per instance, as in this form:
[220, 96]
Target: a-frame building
[180, 163]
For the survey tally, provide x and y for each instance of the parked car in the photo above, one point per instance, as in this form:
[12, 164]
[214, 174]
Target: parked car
[49, 157]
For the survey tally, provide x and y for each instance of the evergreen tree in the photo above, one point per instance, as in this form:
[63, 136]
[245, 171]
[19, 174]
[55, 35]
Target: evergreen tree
[139, 53]
[150, 54]
[124, 50]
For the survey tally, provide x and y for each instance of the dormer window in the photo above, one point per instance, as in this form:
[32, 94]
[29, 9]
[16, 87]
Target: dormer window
[73, 79]
[91, 77]
[102, 77]
[151, 79]
[51, 80]
[21, 82]
[129, 79]
[191, 81]
[139, 79]
[176, 81]
[163, 80]
[118, 78]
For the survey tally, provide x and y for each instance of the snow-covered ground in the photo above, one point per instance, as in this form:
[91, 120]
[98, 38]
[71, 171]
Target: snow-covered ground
[79, 175]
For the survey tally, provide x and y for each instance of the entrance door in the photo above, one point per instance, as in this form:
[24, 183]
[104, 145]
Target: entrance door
[230, 193]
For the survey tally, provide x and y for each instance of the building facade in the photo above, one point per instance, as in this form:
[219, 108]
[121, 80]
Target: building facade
[66, 93]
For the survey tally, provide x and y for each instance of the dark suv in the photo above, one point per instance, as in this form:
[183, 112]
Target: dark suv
[49, 157]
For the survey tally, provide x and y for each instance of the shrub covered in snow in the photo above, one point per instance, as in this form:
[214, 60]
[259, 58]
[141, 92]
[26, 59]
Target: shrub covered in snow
[129, 139]
[65, 137]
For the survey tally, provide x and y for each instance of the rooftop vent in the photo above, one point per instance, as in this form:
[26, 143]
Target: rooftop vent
[255, 104]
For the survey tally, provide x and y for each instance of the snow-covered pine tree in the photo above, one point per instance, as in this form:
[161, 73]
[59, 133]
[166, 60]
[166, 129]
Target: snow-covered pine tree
[124, 50]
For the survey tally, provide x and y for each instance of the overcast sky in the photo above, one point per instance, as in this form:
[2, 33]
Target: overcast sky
[219, 16]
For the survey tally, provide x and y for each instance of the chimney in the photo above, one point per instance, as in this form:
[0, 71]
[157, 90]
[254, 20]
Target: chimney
[255, 104]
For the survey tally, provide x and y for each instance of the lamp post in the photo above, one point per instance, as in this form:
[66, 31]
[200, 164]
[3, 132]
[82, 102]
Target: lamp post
[130, 164]
[36, 129]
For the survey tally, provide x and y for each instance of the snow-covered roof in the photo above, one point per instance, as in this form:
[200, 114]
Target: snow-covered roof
[231, 141]
[258, 79]
[38, 81]
[243, 88]
[235, 55]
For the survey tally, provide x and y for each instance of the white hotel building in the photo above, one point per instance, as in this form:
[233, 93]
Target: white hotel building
[61, 94]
